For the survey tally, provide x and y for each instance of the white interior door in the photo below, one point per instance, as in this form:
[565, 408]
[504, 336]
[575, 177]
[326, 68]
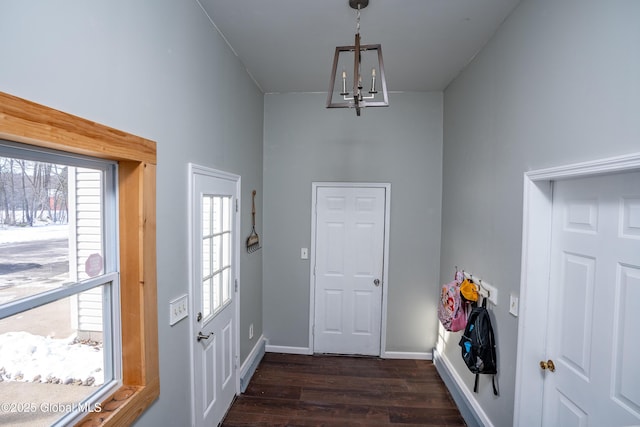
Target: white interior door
[593, 338]
[349, 253]
[213, 319]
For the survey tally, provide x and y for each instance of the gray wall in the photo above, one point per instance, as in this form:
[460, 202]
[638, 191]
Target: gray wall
[158, 69]
[558, 84]
[401, 144]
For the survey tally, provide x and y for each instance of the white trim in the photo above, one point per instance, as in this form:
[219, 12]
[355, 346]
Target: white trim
[595, 167]
[251, 362]
[214, 173]
[469, 405]
[385, 261]
[385, 267]
[287, 350]
[237, 243]
[407, 355]
[255, 351]
[194, 169]
[534, 279]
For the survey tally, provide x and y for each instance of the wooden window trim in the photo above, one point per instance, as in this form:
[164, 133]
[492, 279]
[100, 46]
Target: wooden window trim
[33, 124]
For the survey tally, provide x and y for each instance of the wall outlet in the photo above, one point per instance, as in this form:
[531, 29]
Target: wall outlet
[251, 331]
[178, 309]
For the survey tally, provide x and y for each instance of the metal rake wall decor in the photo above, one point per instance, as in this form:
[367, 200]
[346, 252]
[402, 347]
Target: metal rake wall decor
[253, 241]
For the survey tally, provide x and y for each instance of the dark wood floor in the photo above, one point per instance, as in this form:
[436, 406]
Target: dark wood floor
[295, 390]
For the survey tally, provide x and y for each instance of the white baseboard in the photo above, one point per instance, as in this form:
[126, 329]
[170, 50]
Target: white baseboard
[467, 403]
[287, 349]
[386, 355]
[411, 355]
[251, 362]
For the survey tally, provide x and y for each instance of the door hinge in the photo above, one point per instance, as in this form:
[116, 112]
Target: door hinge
[236, 205]
[236, 285]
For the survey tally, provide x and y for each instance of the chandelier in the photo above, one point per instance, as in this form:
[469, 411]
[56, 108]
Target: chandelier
[359, 58]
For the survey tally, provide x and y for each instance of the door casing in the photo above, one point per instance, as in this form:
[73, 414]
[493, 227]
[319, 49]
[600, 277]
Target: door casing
[195, 169]
[534, 278]
[385, 261]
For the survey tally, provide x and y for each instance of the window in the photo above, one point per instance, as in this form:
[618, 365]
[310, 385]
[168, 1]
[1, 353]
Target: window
[216, 253]
[59, 286]
[123, 331]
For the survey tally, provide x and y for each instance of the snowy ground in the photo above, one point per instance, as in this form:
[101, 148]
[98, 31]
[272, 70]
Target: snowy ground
[32, 358]
[31, 234]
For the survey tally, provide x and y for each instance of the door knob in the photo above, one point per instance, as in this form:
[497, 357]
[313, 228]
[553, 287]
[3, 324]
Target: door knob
[548, 365]
[376, 282]
[202, 336]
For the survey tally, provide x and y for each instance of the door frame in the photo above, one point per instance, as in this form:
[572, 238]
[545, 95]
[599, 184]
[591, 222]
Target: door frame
[385, 260]
[194, 170]
[534, 276]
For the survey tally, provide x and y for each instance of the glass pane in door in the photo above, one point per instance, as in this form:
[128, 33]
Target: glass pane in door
[216, 252]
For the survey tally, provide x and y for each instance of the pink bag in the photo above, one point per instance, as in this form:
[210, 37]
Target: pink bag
[451, 310]
[459, 321]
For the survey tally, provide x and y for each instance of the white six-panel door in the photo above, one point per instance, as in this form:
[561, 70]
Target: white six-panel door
[213, 296]
[593, 336]
[349, 252]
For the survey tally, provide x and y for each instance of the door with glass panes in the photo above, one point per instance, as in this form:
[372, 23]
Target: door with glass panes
[213, 318]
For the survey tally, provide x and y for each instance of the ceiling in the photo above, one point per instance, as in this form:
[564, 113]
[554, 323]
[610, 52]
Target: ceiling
[288, 45]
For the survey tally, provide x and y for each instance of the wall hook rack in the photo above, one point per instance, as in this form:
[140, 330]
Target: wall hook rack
[486, 290]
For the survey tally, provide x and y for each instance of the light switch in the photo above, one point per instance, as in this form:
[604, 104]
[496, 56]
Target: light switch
[513, 305]
[178, 309]
[304, 253]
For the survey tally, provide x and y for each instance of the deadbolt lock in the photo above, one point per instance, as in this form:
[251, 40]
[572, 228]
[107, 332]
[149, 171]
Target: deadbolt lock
[376, 282]
[199, 317]
[548, 365]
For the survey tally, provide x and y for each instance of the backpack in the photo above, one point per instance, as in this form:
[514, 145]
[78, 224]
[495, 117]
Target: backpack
[451, 308]
[478, 345]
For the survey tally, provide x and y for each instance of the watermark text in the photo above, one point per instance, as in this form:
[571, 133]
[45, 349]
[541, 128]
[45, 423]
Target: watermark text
[48, 407]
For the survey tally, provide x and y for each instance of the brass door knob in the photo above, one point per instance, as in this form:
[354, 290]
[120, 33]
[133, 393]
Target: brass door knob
[548, 365]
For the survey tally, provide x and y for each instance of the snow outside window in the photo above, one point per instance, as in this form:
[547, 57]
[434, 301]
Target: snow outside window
[59, 288]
